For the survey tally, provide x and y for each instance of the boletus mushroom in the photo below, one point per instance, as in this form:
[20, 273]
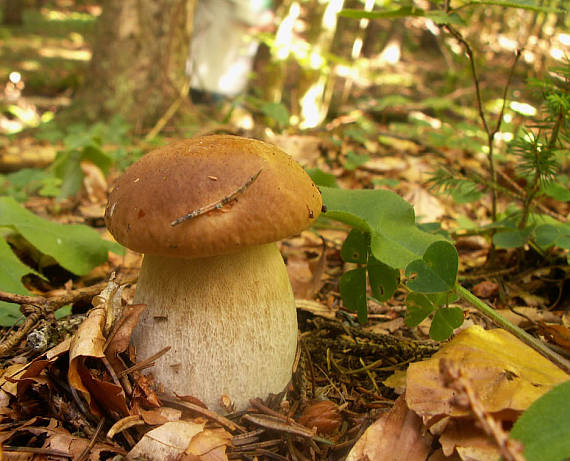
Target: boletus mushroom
[206, 212]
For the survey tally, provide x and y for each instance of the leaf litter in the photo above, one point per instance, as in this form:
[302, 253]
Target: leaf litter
[66, 392]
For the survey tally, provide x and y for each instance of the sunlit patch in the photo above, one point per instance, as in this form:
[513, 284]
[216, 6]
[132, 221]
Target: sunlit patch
[431, 121]
[504, 136]
[528, 56]
[74, 55]
[564, 39]
[391, 54]
[15, 77]
[557, 53]
[316, 61]
[310, 105]
[330, 14]
[284, 36]
[523, 108]
[508, 43]
[507, 118]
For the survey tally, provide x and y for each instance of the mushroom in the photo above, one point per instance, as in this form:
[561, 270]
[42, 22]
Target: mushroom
[206, 212]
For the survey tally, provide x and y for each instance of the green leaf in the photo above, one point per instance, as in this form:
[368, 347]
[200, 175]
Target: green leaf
[383, 279]
[395, 239]
[75, 247]
[277, 112]
[67, 167]
[355, 247]
[511, 238]
[439, 17]
[466, 192]
[444, 322]
[436, 272]
[544, 428]
[353, 292]
[522, 4]
[95, 155]
[388, 182]
[354, 160]
[320, 178]
[546, 235]
[557, 191]
[11, 272]
[418, 307]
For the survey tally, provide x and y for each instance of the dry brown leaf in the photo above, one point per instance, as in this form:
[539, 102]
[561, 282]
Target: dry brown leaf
[88, 341]
[210, 445]
[48, 434]
[316, 308]
[168, 441]
[486, 289]
[122, 336]
[32, 371]
[532, 314]
[427, 207]
[160, 415]
[305, 275]
[397, 435]
[303, 148]
[470, 441]
[506, 374]
[558, 334]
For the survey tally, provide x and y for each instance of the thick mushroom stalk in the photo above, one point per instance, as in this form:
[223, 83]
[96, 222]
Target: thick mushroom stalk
[230, 320]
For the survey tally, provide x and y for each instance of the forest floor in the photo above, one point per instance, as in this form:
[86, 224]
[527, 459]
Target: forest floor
[358, 390]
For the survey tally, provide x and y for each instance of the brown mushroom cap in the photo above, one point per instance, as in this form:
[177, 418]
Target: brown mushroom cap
[184, 176]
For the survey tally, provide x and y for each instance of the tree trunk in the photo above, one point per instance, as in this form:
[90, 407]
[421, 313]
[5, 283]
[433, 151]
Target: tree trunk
[12, 12]
[139, 60]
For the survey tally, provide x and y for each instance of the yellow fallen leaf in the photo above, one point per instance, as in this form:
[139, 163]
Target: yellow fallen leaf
[506, 374]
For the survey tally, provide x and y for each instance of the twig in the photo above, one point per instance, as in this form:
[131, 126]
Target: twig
[36, 451]
[37, 307]
[148, 362]
[277, 424]
[221, 420]
[218, 204]
[88, 448]
[157, 128]
[511, 450]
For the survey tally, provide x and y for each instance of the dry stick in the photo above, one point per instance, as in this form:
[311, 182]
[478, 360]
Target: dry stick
[148, 362]
[452, 377]
[36, 451]
[221, 420]
[157, 128]
[41, 307]
[218, 204]
[88, 448]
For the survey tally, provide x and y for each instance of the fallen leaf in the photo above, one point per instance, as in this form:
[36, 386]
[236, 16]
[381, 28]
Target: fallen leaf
[558, 334]
[121, 337]
[427, 207]
[160, 415]
[486, 289]
[506, 374]
[168, 441]
[210, 445]
[397, 435]
[49, 434]
[470, 441]
[306, 275]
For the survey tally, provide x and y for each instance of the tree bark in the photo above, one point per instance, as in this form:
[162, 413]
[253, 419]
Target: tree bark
[12, 12]
[139, 60]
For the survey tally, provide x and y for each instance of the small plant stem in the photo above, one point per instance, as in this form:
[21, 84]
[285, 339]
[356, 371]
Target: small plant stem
[530, 340]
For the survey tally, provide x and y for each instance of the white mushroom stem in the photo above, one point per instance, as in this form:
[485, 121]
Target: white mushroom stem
[230, 320]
